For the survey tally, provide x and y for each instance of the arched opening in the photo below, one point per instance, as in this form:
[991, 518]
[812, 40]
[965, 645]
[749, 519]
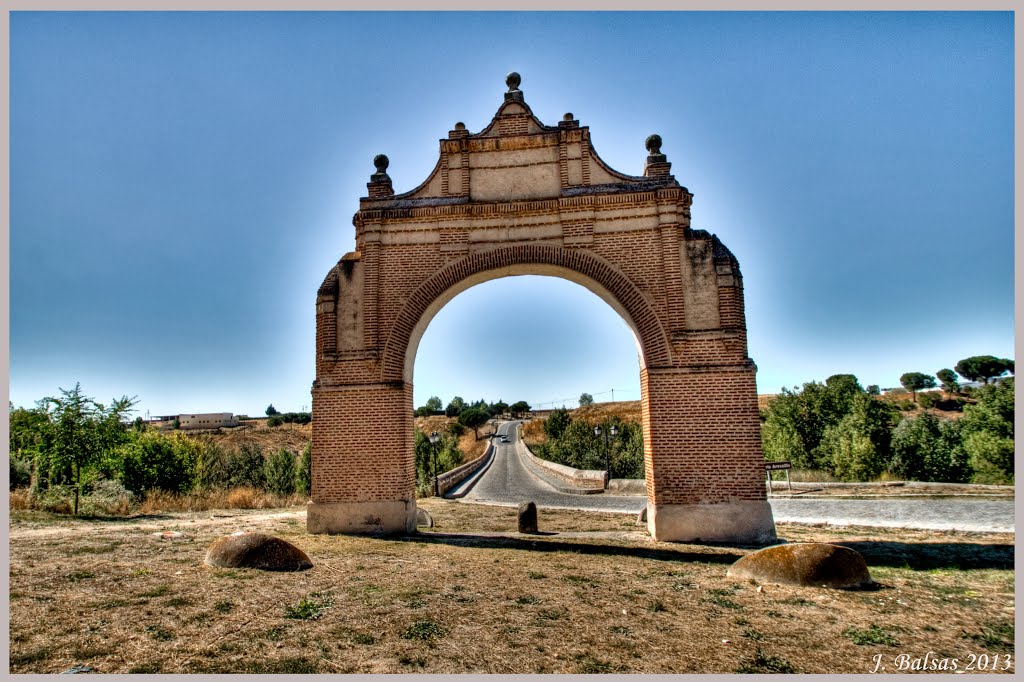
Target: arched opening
[543, 340]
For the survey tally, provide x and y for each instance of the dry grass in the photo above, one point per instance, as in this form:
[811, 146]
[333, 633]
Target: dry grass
[235, 498]
[469, 445]
[595, 594]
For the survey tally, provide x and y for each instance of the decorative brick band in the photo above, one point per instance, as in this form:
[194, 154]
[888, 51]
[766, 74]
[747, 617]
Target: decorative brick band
[654, 341]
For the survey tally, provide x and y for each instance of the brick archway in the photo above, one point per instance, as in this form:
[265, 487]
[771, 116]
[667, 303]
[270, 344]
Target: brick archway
[520, 197]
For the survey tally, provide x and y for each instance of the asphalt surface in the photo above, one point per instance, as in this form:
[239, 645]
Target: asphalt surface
[508, 481]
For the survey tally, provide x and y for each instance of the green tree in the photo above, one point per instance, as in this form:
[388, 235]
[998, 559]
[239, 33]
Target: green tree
[271, 411]
[499, 408]
[916, 381]
[988, 430]
[432, 407]
[844, 449]
[586, 399]
[925, 448]
[455, 407]
[304, 471]
[80, 430]
[949, 383]
[474, 418]
[279, 472]
[519, 408]
[873, 389]
[556, 423]
[983, 367]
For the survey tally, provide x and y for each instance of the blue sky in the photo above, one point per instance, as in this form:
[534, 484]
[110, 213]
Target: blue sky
[181, 183]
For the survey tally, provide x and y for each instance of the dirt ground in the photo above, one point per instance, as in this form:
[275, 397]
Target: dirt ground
[592, 593]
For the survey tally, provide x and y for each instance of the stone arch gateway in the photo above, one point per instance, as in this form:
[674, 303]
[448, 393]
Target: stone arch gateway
[520, 198]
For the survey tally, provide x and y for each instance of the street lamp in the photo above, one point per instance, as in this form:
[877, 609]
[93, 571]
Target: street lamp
[607, 448]
[433, 451]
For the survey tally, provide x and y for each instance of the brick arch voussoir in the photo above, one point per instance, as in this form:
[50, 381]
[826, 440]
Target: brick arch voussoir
[653, 339]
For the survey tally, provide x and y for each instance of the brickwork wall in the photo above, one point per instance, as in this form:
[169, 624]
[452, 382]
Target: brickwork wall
[702, 436]
[363, 444]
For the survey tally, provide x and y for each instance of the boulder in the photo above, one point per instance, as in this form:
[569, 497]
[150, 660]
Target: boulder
[423, 518]
[256, 550]
[806, 564]
[641, 518]
[527, 517]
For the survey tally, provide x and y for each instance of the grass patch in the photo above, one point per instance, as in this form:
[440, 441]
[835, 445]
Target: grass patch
[579, 580]
[158, 591]
[753, 635]
[35, 656]
[146, 668]
[308, 608]
[223, 606]
[588, 665]
[765, 663]
[536, 575]
[724, 602]
[78, 576]
[656, 606]
[292, 665]
[410, 662]
[996, 637]
[527, 599]
[424, 630]
[873, 635]
[178, 601]
[159, 633]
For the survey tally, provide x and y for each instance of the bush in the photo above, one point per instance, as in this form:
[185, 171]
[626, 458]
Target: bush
[152, 460]
[21, 472]
[556, 423]
[304, 471]
[107, 498]
[279, 472]
[246, 466]
[210, 468]
[991, 457]
[925, 448]
[275, 420]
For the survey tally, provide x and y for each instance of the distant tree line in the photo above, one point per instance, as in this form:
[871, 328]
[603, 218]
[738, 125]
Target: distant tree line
[458, 406]
[72, 443]
[842, 429]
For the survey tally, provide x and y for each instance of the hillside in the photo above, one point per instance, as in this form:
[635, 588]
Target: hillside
[293, 437]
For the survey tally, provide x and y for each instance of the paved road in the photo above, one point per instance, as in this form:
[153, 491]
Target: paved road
[508, 481]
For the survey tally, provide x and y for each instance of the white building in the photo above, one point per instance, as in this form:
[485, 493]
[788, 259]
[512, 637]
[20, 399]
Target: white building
[211, 420]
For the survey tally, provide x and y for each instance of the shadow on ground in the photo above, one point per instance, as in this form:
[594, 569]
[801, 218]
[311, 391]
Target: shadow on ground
[923, 556]
[536, 543]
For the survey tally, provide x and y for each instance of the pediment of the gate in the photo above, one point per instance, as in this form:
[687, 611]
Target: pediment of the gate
[516, 158]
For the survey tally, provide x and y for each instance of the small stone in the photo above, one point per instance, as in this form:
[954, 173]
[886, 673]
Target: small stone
[641, 518]
[256, 550]
[527, 517]
[805, 564]
[423, 518]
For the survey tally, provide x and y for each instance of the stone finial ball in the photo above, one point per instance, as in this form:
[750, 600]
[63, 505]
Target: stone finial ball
[460, 126]
[653, 143]
[567, 116]
[381, 162]
[512, 81]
